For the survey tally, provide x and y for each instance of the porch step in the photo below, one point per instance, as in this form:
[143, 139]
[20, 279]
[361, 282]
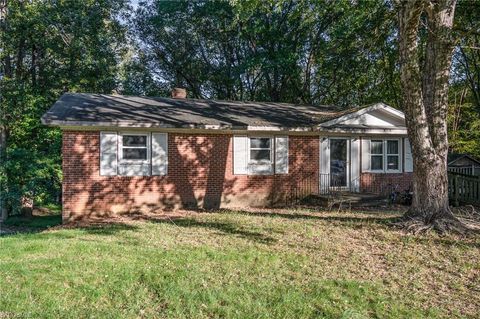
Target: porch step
[353, 199]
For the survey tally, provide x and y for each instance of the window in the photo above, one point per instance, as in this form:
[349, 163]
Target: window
[393, 155]
[376, 152]
[133, 153]
[260, 150]
[134, 147]
[385, 155]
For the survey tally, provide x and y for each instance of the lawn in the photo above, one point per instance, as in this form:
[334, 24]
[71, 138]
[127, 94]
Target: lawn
[239, 265]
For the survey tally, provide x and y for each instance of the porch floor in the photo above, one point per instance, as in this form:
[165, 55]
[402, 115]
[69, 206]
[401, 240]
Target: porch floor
[348, 198]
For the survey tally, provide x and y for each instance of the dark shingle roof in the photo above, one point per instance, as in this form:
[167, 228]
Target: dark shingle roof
[81, 109]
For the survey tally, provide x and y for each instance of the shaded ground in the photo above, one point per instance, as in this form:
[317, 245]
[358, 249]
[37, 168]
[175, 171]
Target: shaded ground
[42, 219]
[282, 263]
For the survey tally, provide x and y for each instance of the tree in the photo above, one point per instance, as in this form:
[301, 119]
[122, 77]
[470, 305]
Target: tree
[314, 52]
[425, 75]
[47, 48]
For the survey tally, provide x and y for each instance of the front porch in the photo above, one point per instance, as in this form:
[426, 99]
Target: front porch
[367, 190]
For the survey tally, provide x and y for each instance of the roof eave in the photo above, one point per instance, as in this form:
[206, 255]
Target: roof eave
[257, 128]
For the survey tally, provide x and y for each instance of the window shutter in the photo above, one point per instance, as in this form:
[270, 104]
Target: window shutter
[281, 154]
[408, 157]
[159, 153]
[108, 153]
[365, 155]
[355, 164]
[324, 156]
[324, 165]
[240, 149]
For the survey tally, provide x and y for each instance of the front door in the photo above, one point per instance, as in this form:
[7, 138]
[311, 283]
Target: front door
[338, 162]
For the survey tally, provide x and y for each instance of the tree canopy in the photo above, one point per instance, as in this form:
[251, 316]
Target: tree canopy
[342, 53]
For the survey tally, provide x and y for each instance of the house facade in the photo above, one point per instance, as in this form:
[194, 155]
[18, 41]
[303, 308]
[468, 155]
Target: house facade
[134, 154]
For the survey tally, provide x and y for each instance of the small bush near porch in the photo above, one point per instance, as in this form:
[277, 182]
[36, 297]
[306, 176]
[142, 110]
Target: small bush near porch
[239, 265]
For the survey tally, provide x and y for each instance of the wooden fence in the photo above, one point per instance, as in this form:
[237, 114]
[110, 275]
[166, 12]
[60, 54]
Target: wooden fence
[465, 170]
[463, 189]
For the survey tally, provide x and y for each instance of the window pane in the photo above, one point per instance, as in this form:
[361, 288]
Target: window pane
[263, 142]
[392, 147]
[392, 162]
[260, 155]
[377, 162]
[134, 140]
[376, 147]
[135, 153]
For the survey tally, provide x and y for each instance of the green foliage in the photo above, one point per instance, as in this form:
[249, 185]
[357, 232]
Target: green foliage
[464, 129]
[319, 52]
[47, 48]
[342, 53]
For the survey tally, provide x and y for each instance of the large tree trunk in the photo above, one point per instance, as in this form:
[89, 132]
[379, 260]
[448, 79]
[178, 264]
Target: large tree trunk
[5, 71]
[3, 140]
[425, 102]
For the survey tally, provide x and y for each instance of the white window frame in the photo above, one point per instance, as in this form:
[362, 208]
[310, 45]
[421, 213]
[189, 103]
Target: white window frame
[121, 160]
[398, 155]
[271, 149]
[385, 155]
[382, 155]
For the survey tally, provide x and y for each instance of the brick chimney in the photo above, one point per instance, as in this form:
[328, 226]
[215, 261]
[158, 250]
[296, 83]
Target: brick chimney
[179, 93]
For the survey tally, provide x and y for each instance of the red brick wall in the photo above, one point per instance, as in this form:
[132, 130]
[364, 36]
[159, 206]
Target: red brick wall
[200, 175]
[379, 183]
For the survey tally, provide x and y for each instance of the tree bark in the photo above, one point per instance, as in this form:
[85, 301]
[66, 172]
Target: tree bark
[3, 140]
[425, 103]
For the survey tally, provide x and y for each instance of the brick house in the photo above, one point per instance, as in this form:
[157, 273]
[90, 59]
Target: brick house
[124, 154]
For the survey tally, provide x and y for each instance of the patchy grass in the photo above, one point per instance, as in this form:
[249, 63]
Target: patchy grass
[286, 264]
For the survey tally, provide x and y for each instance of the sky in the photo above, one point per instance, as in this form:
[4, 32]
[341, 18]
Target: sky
[134, 3]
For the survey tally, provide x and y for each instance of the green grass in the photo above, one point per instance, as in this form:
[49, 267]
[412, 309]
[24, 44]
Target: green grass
[239, 265]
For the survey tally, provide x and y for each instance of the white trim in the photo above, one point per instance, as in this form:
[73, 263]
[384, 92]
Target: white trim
[385, 155]
[260, 167]
[260, 130]
[377, 106]
[377, 154]
[260, 162]
[399, 156]
[122, 161]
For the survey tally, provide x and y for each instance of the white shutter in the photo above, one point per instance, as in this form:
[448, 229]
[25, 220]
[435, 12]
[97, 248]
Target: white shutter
[408, 156]
[324, 179]
[324, 155]
[355, 164]
[365, 155]
[108, 153]
[240, 149]
[159, 153]
[281, 154]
